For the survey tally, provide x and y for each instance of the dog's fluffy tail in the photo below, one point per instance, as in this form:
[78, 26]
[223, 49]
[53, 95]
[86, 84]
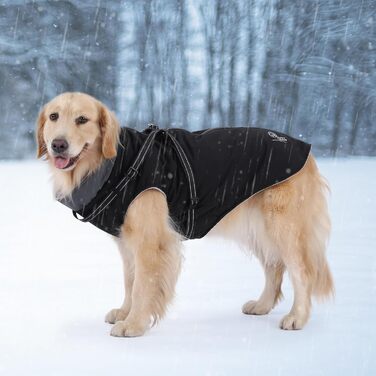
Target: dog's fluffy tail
[321, 278]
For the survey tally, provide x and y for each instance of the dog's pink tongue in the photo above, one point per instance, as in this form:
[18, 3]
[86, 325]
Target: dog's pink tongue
[61, 162]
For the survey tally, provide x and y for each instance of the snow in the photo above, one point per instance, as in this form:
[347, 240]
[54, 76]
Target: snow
[59, 277]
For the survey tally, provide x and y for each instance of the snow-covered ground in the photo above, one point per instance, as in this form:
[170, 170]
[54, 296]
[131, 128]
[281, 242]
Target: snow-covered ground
[59, 277]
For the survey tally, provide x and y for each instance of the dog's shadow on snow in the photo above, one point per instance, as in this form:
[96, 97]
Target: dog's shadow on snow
[236, 325]
[90, 328]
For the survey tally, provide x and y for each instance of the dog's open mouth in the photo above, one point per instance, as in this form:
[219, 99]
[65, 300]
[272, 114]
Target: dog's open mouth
[62, 162]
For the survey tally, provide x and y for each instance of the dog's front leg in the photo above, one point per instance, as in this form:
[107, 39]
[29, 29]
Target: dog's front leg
[119, 314]
[155, 246]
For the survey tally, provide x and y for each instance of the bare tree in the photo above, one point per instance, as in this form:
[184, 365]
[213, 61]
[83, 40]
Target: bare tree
[249, 27]
[206, 12]
[233, 20]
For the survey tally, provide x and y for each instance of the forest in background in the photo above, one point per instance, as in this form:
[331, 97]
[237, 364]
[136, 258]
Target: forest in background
[302, 67]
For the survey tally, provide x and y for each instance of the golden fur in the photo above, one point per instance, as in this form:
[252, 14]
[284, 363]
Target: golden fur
[286, 226]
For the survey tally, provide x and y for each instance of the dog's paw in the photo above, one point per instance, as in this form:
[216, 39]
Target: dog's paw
[115, 315]
[292, 322]
[254, 307]
[128, 329]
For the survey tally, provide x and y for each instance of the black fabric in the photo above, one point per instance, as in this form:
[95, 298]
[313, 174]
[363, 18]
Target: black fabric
[229, 165]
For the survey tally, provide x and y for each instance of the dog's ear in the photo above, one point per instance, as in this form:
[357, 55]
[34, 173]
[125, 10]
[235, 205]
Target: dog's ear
[41, 145]
[110, 129]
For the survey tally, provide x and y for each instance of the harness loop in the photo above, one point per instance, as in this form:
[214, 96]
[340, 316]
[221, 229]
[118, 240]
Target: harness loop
[132, 172]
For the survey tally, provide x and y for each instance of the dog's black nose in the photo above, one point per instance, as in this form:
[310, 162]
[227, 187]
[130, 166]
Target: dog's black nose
[59, 145]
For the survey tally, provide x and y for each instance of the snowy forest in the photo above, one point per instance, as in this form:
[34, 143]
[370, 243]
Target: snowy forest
[304, 67]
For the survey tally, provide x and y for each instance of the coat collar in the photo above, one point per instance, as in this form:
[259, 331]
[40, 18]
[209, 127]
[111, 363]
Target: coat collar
[89, 187]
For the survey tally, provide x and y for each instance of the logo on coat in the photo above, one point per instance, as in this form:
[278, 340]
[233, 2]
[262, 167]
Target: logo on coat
[276, 137]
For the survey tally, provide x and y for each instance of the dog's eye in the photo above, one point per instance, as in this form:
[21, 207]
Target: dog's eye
[54, 116]
[81, 120]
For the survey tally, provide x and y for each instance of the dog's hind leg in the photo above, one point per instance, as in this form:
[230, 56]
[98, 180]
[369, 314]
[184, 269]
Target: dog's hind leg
[298, 223]
[272, 291]
[300, 311]
[286, 230]
[156, 250]
[119, 314]
[246, 226]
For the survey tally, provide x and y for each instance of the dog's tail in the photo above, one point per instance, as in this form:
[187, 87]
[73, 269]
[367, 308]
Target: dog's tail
[318, 236]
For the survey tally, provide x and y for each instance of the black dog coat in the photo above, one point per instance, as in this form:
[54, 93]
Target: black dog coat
[204, 174]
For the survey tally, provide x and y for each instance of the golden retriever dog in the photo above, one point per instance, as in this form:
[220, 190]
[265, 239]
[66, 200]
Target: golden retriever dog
[286, 226]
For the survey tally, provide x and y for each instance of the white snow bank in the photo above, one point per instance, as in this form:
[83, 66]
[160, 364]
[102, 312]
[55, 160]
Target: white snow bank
[58, 278]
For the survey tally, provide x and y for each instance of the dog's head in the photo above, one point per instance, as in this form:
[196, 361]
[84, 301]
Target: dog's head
[76, 132]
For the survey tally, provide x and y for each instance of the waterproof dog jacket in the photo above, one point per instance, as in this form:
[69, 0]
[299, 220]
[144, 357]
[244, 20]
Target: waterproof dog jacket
[204, 174]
